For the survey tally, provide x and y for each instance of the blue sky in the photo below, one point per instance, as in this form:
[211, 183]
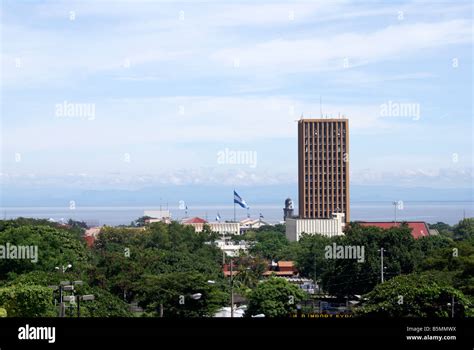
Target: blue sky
[173, 84]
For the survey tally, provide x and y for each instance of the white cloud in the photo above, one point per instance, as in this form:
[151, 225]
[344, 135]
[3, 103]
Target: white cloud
[122, 123]
[328, 53]
[424, 177]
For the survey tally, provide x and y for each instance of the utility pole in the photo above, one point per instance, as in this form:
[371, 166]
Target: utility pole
[314, 261]
[223, 249]
[381, 265]
[61, 304]
[231, 290]
[452, 306]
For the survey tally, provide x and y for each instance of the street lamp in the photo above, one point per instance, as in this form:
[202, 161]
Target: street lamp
[72, 299]
[196, 296]
[452, 306]
[63, 268]
[231, 289]
[382, 267]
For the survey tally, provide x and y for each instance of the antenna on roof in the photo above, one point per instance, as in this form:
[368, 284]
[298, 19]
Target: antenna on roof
[321, 106]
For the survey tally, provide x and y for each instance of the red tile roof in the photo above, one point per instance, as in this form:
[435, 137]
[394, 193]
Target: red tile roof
[194, 220]
[89, 240]
[282, 263]
[418, 228]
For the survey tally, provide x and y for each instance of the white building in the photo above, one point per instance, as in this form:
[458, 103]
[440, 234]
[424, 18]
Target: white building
[158, 216]
[223, 228]
[230, 248]
[326, 227]
[226, 311]
[249, 224]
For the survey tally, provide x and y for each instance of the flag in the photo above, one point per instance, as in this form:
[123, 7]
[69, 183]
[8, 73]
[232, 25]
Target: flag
[261, 216]
[239, 200]
[182, 205]
[218, 217]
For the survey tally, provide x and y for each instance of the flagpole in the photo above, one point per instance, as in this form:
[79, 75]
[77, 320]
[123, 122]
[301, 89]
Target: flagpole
[234, 206]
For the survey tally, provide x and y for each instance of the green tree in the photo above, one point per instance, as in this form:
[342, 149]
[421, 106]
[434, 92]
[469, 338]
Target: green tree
[464, 230]
[280, 228]
[274, 297]
[140, 222]
[177, 292]
[249, 270]
[453, 262]
[55, 247]
[310, 257]
[414, 296]
[349, 276]
[27, 300]
[444, 229]
[105, 304]
[269, 244]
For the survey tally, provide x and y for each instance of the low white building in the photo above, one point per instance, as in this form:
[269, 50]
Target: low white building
[223, 228]
[249, 224]
[158, 216]
[230, 248]
[326, 227]
[226, 311]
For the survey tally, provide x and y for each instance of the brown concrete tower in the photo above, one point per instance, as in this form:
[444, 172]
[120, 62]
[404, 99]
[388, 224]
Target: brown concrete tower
[323, 168]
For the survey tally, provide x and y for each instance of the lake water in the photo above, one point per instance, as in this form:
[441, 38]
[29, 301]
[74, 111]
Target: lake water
[431, 212]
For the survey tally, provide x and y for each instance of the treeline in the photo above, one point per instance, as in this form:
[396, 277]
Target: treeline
[160, 265]
[440, 266]
[172, 271]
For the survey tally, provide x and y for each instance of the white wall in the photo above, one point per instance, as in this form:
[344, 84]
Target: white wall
[326, 227]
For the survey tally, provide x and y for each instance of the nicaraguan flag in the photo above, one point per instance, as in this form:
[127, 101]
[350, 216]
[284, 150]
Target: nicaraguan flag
[218, 217]
[239, 200]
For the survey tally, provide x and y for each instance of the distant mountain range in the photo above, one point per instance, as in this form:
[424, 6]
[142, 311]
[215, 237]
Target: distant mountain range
[199, 195]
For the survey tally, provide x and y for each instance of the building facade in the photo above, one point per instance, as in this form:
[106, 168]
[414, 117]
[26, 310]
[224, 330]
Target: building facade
[222, 228]
[323, 168]
[326, 227]
[157, 216]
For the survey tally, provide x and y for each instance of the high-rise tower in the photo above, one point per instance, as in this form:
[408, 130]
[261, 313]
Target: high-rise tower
[323, 168]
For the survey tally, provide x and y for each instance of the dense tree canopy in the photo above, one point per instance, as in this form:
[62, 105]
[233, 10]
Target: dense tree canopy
[162, 266]
[182, 294]
[27, 300]
[56, 246]
[274, 297]
[415, 296]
